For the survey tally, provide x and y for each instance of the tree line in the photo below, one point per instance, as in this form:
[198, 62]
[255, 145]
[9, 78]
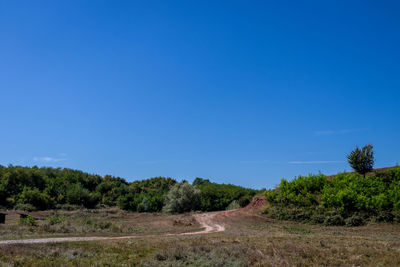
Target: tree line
[34, 188]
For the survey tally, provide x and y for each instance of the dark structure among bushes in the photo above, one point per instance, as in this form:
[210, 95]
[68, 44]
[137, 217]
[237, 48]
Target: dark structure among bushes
[2, 218]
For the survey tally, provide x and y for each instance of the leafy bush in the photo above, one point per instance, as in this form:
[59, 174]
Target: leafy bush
[78, 195]
[218, 196]
[351, 192]
[28, 221]
[244, 201]
[55, 219]
[182, 197]
[234, 205]
[146, 195]
[34, 197]
[301, 191]
[347, 198]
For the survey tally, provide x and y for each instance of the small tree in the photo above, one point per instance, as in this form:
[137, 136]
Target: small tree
[182, 197]
[362, 160]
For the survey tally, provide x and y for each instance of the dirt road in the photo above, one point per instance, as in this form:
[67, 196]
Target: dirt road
[205, 220]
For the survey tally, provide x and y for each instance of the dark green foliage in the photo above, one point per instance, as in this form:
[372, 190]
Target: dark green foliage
[291, 213]
[78, 195]
[301, 191]
[146, 195]
[200, 181]
[346, 199]
[244, 201]
[28, 221]
[362, 160]
[44, 188]
[218, 196]
[111, 188]
[33, 196]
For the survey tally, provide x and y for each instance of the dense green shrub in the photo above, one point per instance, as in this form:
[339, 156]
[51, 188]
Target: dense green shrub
[301, 191]
[182, 197]
[78, 195]
[49, 187]
[34, 197]
[351, 192]
[146, 195]
[347, 198]
[244, 201]
[218, 196]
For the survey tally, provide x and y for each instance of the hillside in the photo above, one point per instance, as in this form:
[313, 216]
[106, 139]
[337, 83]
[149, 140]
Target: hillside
[371, 173]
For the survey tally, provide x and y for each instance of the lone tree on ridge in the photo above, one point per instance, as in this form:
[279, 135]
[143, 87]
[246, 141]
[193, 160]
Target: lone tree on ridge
[362, 160]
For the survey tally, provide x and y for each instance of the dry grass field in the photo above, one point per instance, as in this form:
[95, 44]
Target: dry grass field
[250, 239]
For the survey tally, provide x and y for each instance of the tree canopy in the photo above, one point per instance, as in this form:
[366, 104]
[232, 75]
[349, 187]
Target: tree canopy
[49, 188]
[362, 160]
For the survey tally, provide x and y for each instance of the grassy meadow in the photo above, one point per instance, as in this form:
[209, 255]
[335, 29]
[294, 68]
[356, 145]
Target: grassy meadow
[250, 239]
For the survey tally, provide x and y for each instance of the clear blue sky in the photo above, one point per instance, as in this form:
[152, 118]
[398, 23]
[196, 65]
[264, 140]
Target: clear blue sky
[242, 92]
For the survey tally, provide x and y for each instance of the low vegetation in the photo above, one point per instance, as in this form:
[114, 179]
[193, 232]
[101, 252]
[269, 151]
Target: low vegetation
[93, 222]
[249, 240]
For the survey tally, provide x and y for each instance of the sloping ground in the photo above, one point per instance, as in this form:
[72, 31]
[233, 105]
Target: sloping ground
[371, 173]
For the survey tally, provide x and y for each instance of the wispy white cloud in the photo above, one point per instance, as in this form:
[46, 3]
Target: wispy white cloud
[258, 161]
[342, 131]
[48, 159]
[316, 162]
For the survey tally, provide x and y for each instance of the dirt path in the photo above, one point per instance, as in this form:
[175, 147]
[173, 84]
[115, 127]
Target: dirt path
[205, 220]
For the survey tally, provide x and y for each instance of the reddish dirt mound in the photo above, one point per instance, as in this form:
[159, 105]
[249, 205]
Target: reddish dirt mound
[254, 207]
[257, 202]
